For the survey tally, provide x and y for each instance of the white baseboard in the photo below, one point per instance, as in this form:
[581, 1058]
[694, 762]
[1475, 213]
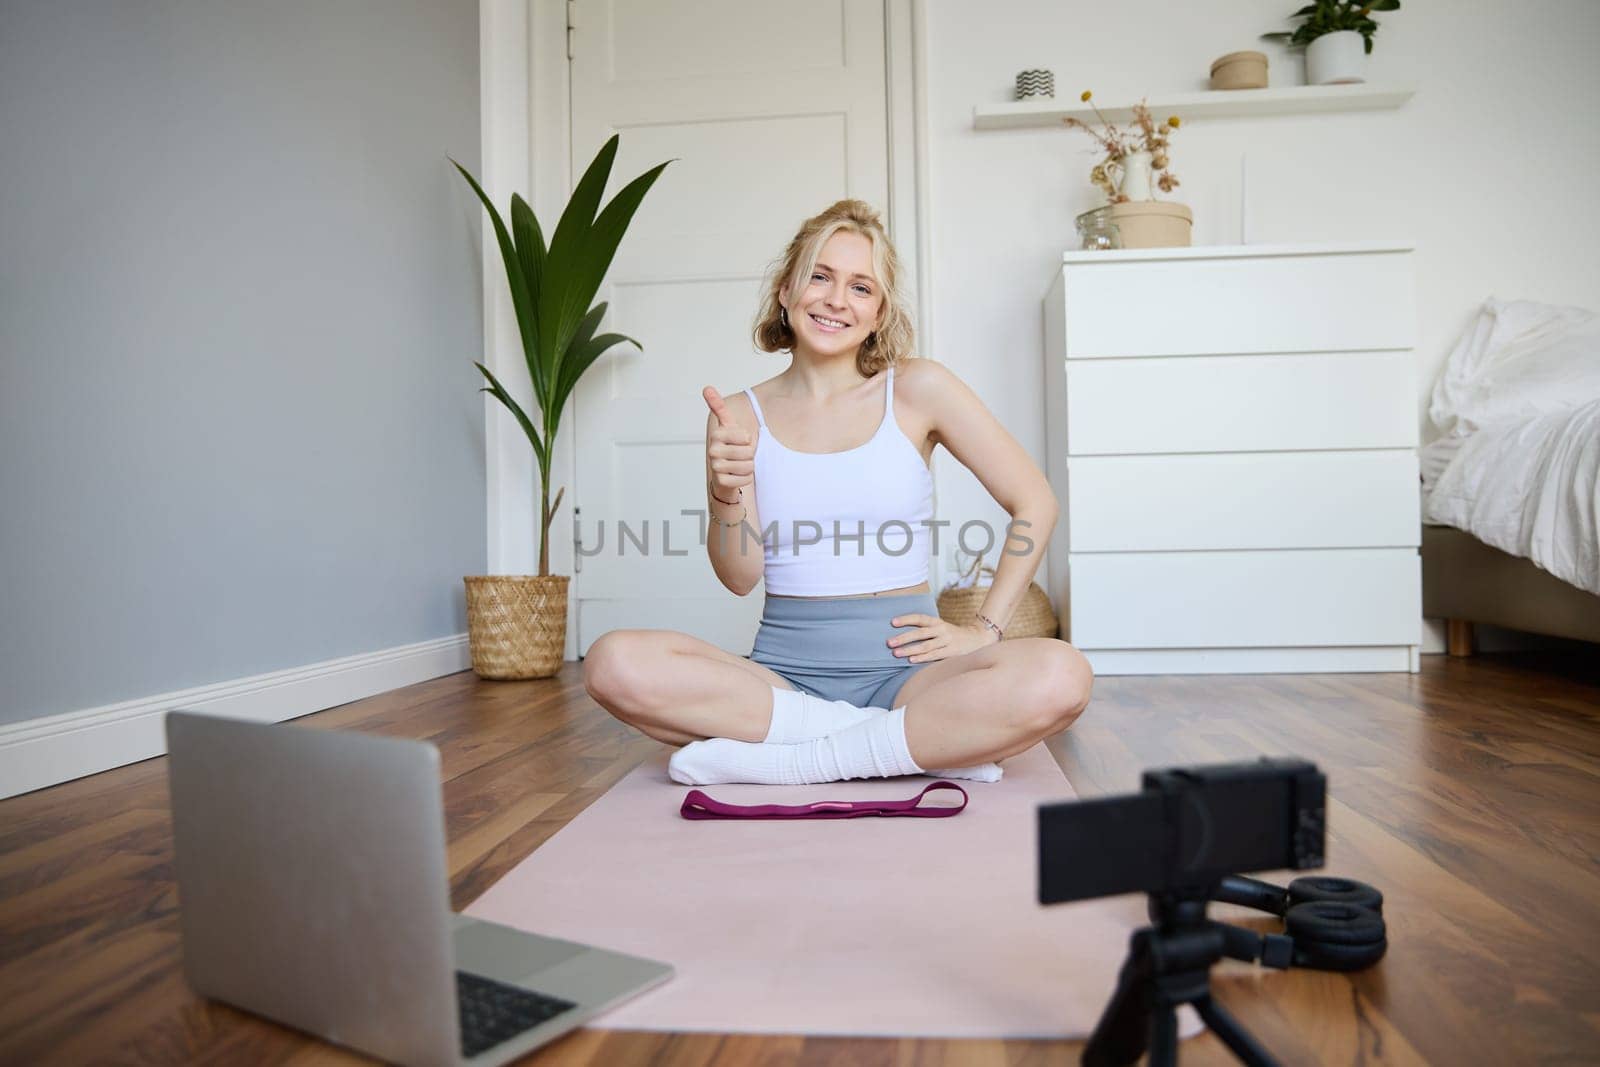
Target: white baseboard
[1375, 659]
[42, 752]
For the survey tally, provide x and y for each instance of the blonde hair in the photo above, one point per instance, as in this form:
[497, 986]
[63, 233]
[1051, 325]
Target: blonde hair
[892, 340]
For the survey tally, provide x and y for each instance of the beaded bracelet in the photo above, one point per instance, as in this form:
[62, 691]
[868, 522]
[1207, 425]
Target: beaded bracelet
[743, 511]
[1001, 634]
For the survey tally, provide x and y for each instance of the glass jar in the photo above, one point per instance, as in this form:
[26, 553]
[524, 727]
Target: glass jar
[1097, 232]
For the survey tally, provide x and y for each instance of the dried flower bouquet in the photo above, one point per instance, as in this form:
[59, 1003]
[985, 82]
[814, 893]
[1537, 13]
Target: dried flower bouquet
[1117, 143]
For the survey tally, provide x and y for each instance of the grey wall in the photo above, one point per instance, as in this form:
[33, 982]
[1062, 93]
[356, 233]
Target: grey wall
[239, 301]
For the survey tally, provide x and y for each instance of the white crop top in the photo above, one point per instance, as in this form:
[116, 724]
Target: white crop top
[843, 522]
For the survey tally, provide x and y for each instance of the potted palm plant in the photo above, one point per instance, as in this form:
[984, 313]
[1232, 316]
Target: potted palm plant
[1337, 37]
[517, 624]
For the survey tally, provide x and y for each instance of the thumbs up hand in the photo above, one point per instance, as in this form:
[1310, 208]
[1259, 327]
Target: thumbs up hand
[730, 451]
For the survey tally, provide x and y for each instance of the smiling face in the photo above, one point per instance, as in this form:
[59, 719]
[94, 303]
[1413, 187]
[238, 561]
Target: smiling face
[838, 306]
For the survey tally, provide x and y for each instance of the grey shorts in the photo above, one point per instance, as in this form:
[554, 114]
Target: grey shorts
[838, 649]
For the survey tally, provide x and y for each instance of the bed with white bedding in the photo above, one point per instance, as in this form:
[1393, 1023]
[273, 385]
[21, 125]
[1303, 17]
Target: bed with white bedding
[1511, 488]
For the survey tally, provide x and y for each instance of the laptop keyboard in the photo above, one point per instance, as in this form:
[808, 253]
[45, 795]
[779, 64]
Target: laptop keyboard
[492, 1012]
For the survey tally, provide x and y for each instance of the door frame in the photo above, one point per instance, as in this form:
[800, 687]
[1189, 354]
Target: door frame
[525, 140]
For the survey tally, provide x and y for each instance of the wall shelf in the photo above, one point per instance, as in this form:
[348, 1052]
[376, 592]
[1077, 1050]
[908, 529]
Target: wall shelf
[1238, 103]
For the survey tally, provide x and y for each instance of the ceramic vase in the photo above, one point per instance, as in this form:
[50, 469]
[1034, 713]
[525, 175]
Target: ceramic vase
[1134, 176]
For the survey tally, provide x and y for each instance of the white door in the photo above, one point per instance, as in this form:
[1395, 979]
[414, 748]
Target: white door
[771, 110]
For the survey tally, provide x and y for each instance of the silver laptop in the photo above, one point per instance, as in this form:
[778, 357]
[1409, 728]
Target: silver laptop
[312, 890]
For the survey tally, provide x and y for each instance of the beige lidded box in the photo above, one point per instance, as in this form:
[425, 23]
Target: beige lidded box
[1240, 70]
[1153, 223]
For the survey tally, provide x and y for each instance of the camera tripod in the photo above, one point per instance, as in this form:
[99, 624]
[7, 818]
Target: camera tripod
[1168, 964]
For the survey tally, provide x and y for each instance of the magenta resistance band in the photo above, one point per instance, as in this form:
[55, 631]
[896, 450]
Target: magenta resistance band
[696, 805]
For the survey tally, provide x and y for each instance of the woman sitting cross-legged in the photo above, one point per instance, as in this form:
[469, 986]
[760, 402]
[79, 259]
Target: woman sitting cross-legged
[853, 674]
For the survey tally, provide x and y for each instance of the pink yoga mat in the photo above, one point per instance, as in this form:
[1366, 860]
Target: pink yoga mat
[866, 927]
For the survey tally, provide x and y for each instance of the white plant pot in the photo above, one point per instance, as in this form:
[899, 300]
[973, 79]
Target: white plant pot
[1337, 59]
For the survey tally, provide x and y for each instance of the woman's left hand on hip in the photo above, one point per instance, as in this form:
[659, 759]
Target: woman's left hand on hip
[935, 639]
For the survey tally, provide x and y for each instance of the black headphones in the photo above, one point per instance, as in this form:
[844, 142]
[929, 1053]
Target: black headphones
[1331, 924]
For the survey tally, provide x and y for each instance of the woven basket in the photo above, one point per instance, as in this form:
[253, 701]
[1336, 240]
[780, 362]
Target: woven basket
[517, 625]
[1033, 617]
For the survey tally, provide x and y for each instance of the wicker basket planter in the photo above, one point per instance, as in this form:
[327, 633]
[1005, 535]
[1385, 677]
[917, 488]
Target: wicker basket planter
[517, 625]
[1033, 617]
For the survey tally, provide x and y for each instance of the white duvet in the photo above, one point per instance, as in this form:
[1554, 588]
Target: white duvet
[1517, 464]
[1529, 487]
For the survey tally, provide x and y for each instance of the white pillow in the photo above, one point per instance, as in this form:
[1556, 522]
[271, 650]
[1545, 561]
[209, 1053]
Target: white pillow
[1516, 360]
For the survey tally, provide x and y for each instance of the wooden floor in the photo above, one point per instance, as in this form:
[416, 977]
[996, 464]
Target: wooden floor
[1469, 793]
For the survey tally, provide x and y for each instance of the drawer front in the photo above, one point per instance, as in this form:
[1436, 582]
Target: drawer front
[1310, 303]
[1314, 598]
[1242, 403]
[1243, 500]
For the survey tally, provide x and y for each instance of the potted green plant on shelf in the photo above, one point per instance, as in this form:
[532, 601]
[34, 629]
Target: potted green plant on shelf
[1337, 38]
[517, 624]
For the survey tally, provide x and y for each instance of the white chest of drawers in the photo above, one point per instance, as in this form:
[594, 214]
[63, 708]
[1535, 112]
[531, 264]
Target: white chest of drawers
[1232, 434]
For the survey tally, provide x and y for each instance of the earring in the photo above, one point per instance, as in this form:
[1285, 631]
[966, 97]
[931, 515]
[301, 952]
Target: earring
[783, 313]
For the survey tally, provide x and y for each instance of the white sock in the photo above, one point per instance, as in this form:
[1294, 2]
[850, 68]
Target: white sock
[798, 716]
[873, 748]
